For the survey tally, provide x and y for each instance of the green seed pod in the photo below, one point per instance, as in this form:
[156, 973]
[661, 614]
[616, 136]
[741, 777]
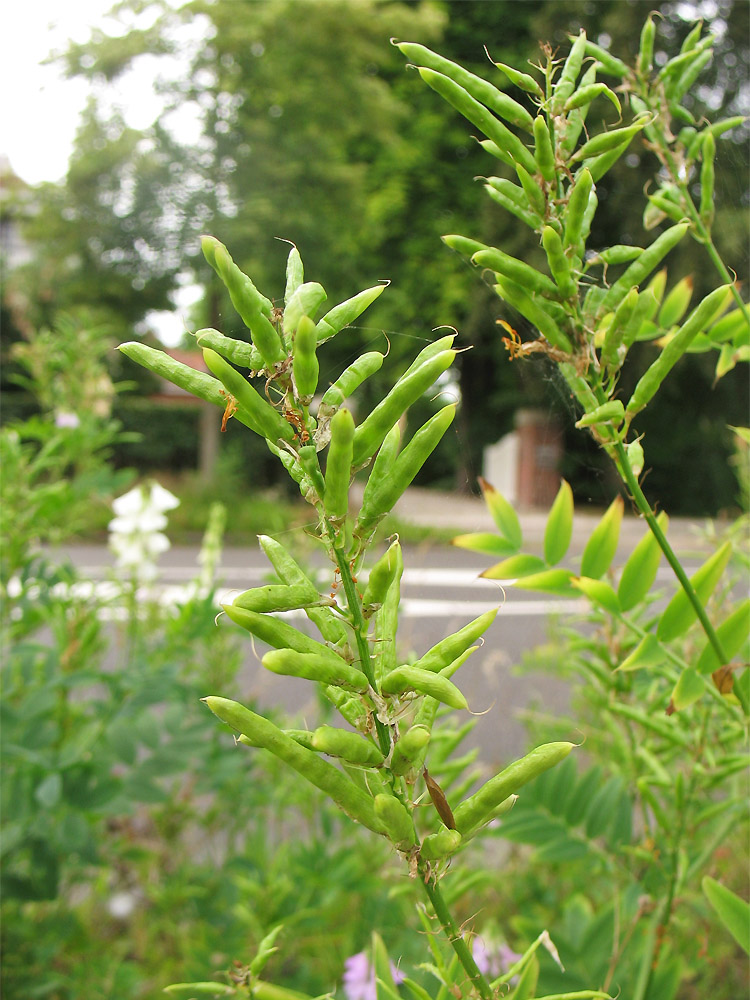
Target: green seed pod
[513, 199]
[716, 129]
[585, 95]
[571, 125]
[618, 254]
[645, 310]
[381, 576]
[517, 270]
[410, 749]
[305, 362]
[534, 312]
[613, 338]
[349, 746]
[237, 351]
[381, 494]
[383, 464]
[350, 380]
[572, 67]
[306, 301]
[653, 377]
[598, 166]
[396, 821]
[635, 457]
[350, 706]
[646, 50]
[707, 180]
[302, 736]
[245, 291]
[386, 622]
[672, 70]
[559, 264]
[544, 155]
[370, 434]
[478, 115]
[675, 305]
[521, 80]
[272, 424]
[273, 597]
[308, 460]
[346, 312]
[577, 204]
[326, 668]
[196, 383]
[443, 653]
[295, 471]
[478, 88]
[339, 466]
[290, 572]
[676, 89]
[295, 274]
[354, 802]
[440, 845]
[643, 266]
[277, 633]
[433, 348]
[660, 207]
[607, 141]
[479, 808]
[407, 678]
[533, 192]
[609, 63]
[462, 244]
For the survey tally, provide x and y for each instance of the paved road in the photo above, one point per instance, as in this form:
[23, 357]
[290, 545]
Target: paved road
[441, 591]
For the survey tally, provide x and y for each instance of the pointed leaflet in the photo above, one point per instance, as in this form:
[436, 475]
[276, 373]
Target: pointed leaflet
[598, 592]
[639, 572]
[648, 653]
[559, 528]
[733, 912]
[503, 514]
[688, 689]
[484, 541]
[515, 567]
[680, 614]
[732, 635]
[602, 545]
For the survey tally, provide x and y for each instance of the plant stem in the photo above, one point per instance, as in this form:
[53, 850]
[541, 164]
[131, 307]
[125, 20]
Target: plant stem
[360, 634]
[643, 506]
[450, 930]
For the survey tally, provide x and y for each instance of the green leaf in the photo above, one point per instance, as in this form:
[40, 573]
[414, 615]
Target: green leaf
[503, 515]
[559, 528]
[602, 545]
[484, 541]
[601, 808]
[688, 689]
[514, 567]
[185, 991]
[49, 790]
[640, 569]
[266, 949]
[384, 984]
[679, 614]
[648, 653]
[553, 581]
[733, 912]
[599, 592]
[526, 985]
[732, 635]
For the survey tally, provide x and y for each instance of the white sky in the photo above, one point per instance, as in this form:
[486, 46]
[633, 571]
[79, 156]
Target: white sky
[39, 110]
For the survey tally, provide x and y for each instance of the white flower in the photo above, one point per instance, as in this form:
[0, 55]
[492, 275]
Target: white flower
[136, 531]
[63, 419]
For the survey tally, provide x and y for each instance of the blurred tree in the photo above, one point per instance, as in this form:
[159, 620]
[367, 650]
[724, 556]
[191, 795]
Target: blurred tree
[305, 126]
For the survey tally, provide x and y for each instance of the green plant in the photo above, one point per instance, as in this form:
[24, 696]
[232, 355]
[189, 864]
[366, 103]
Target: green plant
[677, 778]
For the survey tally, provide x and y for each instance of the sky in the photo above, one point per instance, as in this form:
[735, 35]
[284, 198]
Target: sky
[40, 109]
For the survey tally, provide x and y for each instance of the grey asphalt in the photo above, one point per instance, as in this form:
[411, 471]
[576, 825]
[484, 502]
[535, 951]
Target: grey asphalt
[441, 591]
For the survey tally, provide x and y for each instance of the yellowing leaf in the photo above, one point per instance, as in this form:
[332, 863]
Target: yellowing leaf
[602, 545]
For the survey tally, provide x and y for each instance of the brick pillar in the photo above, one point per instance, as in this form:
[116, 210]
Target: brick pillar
[539, 455]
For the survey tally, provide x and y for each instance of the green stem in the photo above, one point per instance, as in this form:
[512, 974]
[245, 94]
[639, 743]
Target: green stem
[360, 634]
[643, 506]
[450, 930]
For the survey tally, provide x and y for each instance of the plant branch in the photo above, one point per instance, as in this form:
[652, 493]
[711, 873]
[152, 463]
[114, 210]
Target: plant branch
[447, 924]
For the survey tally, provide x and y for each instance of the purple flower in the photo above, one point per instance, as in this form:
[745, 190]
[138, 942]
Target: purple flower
[492, 959]
[359, 977]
